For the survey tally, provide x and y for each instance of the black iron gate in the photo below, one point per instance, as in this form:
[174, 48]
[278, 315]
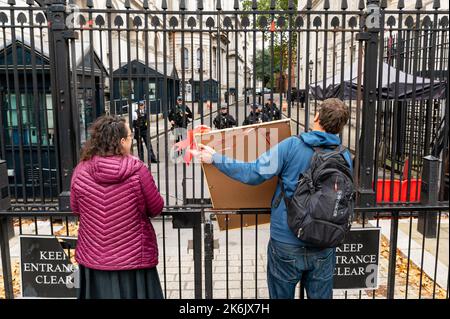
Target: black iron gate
[62, 64]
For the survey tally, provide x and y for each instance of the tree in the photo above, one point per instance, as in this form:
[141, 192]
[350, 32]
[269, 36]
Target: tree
[278, 43]
[263, 68]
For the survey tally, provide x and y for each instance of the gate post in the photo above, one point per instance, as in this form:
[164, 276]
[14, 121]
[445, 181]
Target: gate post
[427, 221]
[59, 34]
[366, 193]
[209, 256]
[6, 258]
[197, 243]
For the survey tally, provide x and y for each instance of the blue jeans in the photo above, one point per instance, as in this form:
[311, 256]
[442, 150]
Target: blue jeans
[288, 264]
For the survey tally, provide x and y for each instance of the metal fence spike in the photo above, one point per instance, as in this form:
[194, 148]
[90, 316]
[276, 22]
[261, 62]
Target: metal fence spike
[419, 4]
[182, 5]
[199, 4]
[436, 4]
[361, 5]
[290, 4]
[273, 4]
[344, 5]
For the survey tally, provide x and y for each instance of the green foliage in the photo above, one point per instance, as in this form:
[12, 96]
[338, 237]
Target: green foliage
[280, 40]
[264, 5]
[266, 72]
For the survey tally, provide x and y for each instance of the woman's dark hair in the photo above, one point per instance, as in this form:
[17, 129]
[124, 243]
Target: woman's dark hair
[105, 135]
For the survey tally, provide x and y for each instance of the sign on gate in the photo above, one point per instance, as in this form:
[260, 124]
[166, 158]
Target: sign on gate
[46, 271]
[357, 260]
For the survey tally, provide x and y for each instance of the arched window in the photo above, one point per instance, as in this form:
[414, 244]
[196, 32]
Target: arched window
[185, 58]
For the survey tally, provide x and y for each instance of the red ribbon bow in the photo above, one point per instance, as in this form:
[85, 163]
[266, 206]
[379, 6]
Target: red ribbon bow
[272, 26]
[189, 144]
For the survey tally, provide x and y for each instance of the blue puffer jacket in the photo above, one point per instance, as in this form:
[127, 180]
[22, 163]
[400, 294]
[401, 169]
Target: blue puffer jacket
[287, 160]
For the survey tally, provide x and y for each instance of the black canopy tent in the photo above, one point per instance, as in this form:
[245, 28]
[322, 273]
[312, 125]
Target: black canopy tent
[402, 90]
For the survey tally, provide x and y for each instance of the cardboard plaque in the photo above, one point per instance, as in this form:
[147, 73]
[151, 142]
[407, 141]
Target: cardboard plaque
[244, 143]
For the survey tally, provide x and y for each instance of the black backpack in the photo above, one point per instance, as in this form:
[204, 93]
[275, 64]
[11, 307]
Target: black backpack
[321, 211]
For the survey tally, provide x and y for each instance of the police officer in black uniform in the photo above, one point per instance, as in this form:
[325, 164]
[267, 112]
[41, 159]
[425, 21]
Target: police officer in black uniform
[140, 132]
[180, 116]
[223, 119]
[255, 116]
[271, 110]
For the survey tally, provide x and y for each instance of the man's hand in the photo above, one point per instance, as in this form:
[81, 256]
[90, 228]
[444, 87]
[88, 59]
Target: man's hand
[204, 153]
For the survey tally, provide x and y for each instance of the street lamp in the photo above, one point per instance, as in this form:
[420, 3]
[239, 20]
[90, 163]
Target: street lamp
[311, 65]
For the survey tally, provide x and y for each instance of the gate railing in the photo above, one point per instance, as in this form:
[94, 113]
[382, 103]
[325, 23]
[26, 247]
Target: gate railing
[239, 272]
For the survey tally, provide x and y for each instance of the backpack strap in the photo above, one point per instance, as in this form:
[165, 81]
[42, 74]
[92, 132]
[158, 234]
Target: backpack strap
[282, 195]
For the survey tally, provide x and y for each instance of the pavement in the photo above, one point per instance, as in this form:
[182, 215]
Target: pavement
[433, 259]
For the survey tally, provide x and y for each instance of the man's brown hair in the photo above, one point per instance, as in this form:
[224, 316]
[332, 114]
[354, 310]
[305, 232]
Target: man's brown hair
[333, 115]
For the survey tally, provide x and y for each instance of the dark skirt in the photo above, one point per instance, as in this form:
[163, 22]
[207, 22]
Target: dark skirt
[119, 284]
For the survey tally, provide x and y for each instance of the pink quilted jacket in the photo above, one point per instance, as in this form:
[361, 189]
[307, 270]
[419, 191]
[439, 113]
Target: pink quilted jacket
[114, 198]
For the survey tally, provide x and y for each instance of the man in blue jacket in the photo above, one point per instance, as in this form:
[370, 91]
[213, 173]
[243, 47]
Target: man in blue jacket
[290, 260]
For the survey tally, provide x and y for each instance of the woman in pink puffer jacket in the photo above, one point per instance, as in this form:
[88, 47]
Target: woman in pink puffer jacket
[114, 194]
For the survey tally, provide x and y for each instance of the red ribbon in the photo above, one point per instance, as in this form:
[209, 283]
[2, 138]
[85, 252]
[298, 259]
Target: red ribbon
[189, 144]
[272, 26]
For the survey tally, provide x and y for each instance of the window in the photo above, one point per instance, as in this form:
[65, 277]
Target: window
[214, 66]
[30, 121]
[125, 90]
[199, 61]
[152, 91]
[185, 58]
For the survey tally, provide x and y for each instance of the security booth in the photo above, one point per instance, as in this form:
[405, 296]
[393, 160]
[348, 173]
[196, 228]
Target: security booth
[29, 135]
[131, 79]
[27, 121]
[210, 89]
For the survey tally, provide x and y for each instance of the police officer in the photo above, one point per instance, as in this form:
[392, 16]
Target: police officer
[271, 110]
[179, 117]
[140, 132]
[223, 119]
[255, 116]
[176, 114]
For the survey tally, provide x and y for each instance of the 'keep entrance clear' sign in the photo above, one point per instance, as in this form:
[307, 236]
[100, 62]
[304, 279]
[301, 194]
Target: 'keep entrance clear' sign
[357, 260]
[46, 270]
